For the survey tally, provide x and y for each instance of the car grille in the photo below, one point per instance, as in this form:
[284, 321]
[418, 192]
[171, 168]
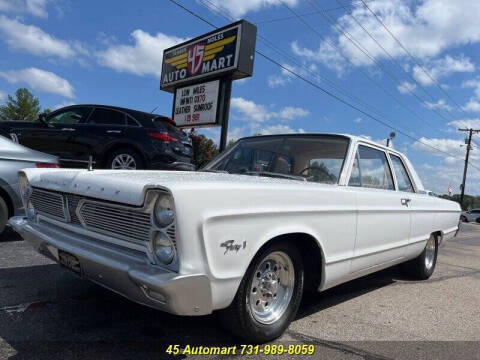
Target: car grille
[115, 220]
[48, 203]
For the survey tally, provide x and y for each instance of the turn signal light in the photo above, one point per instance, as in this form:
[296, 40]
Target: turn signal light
[46, 165]
[163, 137]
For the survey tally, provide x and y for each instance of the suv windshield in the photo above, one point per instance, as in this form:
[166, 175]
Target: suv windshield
[317, 158]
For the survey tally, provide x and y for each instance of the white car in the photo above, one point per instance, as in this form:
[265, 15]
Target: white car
[264, 221]
[470, 215]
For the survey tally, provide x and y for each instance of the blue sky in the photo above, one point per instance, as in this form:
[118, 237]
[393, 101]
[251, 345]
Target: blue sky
[110, 52]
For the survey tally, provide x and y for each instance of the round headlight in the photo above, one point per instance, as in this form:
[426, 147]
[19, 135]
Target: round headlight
[164, 248]
[164, 210]
[30, 210]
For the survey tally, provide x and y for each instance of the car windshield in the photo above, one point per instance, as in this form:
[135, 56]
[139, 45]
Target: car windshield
[317, 158]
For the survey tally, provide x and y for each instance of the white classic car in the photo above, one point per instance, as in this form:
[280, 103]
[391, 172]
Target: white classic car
[246, 235]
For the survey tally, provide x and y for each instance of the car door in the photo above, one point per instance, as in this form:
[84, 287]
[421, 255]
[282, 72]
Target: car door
[420, 205]
[56, 133]
[104, 127]
[383, 218]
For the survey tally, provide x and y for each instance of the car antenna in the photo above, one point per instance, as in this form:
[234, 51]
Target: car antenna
[155, 108]
[90, 163]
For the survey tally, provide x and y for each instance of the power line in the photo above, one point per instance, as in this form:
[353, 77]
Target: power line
[339, 99]
[413, 58]
[350, 38]
[333, 46]
[391, 57]
[283, 53]
[269, 21]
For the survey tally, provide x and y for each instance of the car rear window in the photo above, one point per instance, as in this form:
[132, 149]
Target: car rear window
[163, 124]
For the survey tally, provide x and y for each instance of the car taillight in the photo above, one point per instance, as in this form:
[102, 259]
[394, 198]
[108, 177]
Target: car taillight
[163, 137]
[46, 165]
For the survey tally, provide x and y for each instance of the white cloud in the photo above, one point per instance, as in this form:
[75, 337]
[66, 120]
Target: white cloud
[442, 68]
[325, 54]
[143, 57]
[2, 96]
[62, 104]
[40, 80]
[473, 104]
[440, 104]
[425, 28]
[238, 8]
[34, 40]
[451, 148]
[358, 120]
[466, 123]
[32, 7]
[258, 113]
[279, 129]
[406, 87]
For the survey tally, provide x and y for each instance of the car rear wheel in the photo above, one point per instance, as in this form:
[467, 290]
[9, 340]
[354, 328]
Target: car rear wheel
[423, 266]
[3, 215]
[463, 218]
[269, 294]
[125, 159]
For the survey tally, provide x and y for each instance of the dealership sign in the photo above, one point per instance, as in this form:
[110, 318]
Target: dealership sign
[196, 105]
[228, 51]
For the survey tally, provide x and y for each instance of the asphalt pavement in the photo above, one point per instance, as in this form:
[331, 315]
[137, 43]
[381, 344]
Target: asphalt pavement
[48, 313]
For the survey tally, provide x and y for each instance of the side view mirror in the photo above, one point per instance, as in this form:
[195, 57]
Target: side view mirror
[42, 118]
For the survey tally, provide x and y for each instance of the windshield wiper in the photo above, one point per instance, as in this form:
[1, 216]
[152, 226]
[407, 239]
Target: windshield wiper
[274, 174]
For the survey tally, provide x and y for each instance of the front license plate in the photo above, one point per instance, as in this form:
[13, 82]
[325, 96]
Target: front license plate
[70, 262]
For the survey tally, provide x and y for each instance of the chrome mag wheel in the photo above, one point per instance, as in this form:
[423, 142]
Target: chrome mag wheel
[124, 162]
[430, 253]
[272, 287]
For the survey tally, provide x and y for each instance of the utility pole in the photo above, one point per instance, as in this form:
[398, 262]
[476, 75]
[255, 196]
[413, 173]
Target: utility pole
[469, 147]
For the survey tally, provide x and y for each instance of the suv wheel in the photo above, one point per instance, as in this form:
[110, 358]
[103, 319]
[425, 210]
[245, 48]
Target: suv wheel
[125, 159]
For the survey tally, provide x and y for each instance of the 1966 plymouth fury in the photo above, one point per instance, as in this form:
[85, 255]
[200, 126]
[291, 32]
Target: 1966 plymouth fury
[246, 235]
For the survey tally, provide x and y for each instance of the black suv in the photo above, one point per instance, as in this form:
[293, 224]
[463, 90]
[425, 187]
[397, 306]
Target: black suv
[116, 138]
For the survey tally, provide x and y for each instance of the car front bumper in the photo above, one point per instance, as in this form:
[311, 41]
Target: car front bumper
[124, 273]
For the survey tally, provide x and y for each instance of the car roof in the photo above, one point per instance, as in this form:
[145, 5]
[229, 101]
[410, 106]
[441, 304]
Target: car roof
[132, 112]
[354, 138]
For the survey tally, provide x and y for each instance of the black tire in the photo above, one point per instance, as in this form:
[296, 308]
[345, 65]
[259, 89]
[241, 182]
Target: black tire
[418, 268]
[125, 152]
[3, 215]
[238, 317]
[463, 218]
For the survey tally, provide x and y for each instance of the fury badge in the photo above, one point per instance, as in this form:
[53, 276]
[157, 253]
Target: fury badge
[230, 246]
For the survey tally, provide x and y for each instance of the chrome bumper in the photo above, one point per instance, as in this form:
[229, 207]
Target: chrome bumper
[123, 272]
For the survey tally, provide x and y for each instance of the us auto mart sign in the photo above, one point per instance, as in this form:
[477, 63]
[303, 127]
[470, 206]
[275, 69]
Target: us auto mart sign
[225, 51]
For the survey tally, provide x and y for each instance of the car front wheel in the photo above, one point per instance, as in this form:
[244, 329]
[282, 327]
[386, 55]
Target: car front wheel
[3, 215]
[268, 296]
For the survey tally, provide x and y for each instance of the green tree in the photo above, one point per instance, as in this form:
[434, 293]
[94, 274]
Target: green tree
[24, 107]
[204, 149]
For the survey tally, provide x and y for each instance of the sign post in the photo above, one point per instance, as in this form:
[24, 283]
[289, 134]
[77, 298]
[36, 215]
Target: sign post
[200, 73]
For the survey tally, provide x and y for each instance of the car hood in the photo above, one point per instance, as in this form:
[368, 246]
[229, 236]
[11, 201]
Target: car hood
[10, 150]
[130, 186]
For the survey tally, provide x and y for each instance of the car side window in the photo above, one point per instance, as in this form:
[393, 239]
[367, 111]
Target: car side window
[371, 169]
[403, 180]
[131, 121]
[102, 116]
[69, 116]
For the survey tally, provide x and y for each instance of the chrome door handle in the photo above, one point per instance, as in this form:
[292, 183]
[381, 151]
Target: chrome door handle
[68, 129]
[114, 131]
[405, 201]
